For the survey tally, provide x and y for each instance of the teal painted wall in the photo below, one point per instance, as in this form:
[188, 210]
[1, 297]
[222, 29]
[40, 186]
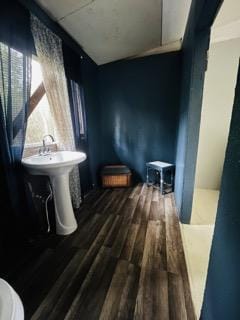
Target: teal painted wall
[139, 110]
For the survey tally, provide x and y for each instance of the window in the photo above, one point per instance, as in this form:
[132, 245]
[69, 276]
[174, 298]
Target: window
[40, 121]
[77, 107]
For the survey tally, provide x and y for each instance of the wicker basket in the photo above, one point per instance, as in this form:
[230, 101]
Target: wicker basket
[116, 176]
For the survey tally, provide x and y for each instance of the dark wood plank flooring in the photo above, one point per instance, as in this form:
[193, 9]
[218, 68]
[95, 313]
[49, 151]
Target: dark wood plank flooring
[125, 261]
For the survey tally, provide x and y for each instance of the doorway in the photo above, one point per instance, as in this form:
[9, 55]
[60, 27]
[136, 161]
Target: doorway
[218, 98]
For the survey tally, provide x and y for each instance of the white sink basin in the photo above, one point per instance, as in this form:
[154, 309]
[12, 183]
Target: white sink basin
[57, 166]
[54, 163]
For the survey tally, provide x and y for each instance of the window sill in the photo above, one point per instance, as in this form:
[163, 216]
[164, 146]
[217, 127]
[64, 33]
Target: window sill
[33, 148]
[38, 145]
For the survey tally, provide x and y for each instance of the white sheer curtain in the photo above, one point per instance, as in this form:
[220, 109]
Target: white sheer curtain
[49, 52]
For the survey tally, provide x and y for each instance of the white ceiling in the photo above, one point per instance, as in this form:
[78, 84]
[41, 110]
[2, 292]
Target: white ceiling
[229, 12]
[227, 23]
[109, 30]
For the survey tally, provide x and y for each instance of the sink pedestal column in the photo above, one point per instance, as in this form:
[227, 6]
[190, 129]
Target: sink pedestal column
[65, 219]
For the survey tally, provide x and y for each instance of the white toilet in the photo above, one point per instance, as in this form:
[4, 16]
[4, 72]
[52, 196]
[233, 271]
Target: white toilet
[11, 307]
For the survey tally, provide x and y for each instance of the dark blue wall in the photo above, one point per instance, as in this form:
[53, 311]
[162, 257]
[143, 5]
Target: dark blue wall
[139, 108]
[89, 75]
[222, 293]
[194, 52]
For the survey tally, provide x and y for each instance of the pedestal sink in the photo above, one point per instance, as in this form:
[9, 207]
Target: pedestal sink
[57, 166]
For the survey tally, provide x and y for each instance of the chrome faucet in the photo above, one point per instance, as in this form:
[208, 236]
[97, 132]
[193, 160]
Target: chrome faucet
[44, 150]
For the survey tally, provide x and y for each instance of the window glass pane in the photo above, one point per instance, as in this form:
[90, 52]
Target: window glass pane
[78, 107]
[40, 122]
[36, 75]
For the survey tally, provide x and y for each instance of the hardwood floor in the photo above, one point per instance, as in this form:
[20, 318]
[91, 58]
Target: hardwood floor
[125, 261]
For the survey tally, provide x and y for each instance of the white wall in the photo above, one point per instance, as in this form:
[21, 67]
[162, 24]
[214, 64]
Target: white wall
[217, 106]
